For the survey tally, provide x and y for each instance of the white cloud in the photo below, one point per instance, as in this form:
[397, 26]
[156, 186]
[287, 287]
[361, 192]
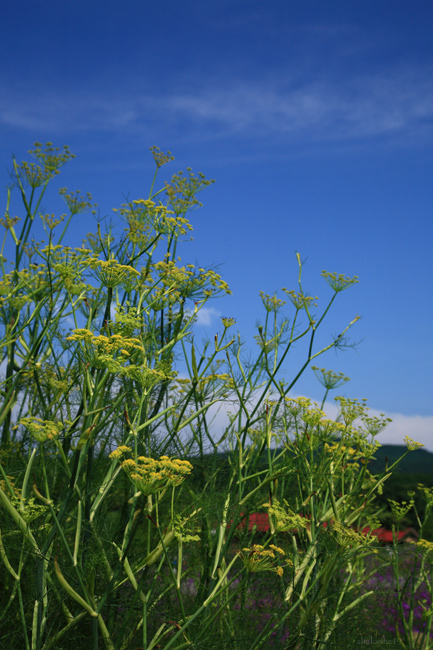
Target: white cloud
[206, 316]
[358, 108]
[398, 103]
[417, 427]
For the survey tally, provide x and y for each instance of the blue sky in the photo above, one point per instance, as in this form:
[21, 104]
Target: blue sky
[316, 121]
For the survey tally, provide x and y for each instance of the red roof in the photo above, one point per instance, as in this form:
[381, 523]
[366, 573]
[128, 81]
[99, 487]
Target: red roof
[260, 520]
[385, 535]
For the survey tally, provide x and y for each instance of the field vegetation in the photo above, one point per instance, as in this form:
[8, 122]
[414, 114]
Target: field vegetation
[121, 504]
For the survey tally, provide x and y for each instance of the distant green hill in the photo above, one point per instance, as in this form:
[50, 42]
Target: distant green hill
[415, 468]
[416, 462]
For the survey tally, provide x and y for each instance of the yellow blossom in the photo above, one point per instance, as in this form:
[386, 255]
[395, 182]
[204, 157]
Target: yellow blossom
[425, 544]
[338, 282]
[412, 445]
[348, 537]
[111, 273]
[42, 430]
[285, 518]
[150, 475]
[119, 452]
[271, 303]
[257, 558]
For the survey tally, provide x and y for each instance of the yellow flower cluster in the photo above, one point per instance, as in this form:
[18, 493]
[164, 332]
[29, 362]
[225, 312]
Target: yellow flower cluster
[169, 225]
[32, 282]
[107, 345]
[150, 475]
[411, 444]
[427, 492]
[52, 158]
[338, 282]
[150, 205]
[113, 352]
[185, 530]
[42, 430]
[351, 409]
[76, 202]
[285, 518]
[170, 273]
[9, 222]
[297, 405]
[299, 300]
[128, 319]
[349, 451]
[33, 174]
[29, 510]
[53, 379]
[160, 157]
[182, 190]
[145, 218]
[331, 426]
[425, 544]
[400, 510]
[214, 279]
[271, 303]
[228, 383]
[328, 378]
[376, 424]
[21, 287]
[186, 281]
[69, 266]
[348, 537]
[111, 273]
[51, 221]
[313, 416]
[302, 411]
[258, 558]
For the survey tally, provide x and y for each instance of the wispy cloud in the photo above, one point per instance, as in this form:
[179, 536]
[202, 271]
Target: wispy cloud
[207, 315]
[417, 427]
[397, 104]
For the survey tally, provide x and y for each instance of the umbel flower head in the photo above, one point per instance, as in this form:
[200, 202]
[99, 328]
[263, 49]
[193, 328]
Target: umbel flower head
[349, 538]
[111, 273]
[412, 445]
[426, 545]
[149, 475]
[42, 430]
[160, 157]
[114, 353]
[285, 518]
[338, 282]
[258, 558]
[329, 379]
